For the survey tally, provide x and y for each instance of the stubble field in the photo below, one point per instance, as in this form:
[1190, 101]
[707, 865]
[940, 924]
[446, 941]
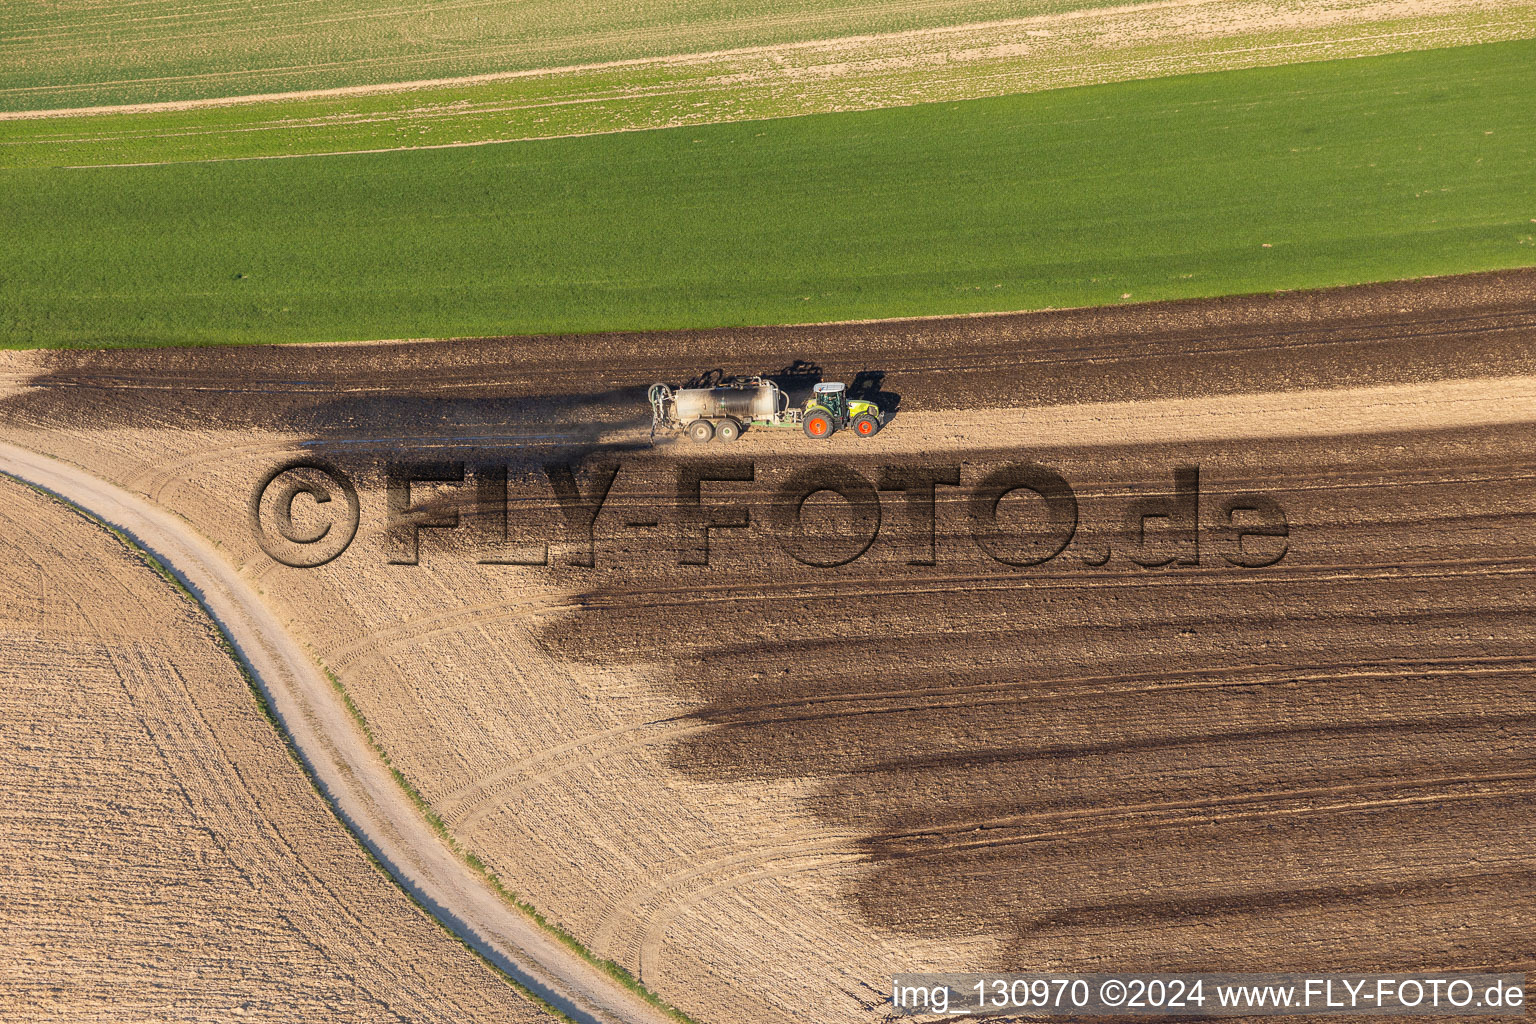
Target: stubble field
[83, 53]
[165, 857]
[761, 785]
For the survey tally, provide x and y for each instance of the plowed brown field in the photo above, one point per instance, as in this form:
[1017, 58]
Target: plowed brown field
[765, 785]
[164, 856]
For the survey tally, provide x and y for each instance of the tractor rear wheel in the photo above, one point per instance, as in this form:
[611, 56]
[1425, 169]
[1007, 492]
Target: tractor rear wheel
[866, 424]
[700, 431]
[819, 426]
[727, 430]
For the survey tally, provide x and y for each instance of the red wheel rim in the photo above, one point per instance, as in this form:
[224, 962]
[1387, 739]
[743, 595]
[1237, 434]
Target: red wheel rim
[818, 426]
[866, 427]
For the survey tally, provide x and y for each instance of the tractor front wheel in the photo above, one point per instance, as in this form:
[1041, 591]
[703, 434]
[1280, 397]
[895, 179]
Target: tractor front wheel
[700, 431]
[819, 426]
[727, 430]
[866, 424]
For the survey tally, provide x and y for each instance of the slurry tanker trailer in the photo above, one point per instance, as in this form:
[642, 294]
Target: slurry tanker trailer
[721, 413]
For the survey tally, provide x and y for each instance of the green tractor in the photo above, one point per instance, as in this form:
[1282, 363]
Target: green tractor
[829, 409]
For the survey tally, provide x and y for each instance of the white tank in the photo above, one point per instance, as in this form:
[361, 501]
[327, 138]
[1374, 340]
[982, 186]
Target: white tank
[758, 400]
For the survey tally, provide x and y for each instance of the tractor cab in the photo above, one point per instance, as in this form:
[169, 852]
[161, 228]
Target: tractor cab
[830, 396]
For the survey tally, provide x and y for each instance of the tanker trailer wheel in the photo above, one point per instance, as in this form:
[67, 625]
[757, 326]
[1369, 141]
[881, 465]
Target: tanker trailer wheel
[819, 425]
[700, 431]
[866, 425]
[727, 430]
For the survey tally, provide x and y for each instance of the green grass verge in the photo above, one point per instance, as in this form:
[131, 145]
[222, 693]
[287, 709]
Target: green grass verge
[1299, 176]
[613, 970]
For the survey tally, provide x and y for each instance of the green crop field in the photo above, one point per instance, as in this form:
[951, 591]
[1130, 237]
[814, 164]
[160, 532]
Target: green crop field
[1303, 175]
[869, 72]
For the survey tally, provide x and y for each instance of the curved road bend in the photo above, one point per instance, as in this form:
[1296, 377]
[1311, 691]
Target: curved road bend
[350, 774]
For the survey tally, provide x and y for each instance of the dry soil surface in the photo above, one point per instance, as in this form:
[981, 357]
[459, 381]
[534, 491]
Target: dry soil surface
[764, 784]
[164, 856]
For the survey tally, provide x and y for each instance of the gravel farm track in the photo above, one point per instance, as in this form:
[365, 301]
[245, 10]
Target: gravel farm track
[356, 782]
[763, 786]
[164, 856]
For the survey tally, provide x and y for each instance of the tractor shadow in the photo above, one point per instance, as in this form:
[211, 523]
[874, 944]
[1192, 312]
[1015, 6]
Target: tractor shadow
[869, 386]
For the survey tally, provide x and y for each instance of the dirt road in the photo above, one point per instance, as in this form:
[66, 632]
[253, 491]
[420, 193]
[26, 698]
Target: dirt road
[353, 778]
[164, 856]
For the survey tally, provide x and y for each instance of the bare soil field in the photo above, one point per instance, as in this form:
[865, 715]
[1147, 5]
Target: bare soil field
[165, 858]
[763, 785]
